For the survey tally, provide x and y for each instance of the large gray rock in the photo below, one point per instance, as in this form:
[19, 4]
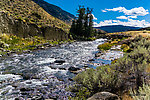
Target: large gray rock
[104, 96]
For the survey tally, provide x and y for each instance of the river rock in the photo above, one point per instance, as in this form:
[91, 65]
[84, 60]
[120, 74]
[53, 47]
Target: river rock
[73, 69]
[62, 68]
[37, 98]
[46, 44]
[91, 60]
[98, 54]
[25, 89]
[26, 76]
[59, 61]
[52, 67]
[85, 66]
[104, 96]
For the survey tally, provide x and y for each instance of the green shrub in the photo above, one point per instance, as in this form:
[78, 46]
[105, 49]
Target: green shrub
[101, 79]
[142, 94]
[125, 47]
[105, 46]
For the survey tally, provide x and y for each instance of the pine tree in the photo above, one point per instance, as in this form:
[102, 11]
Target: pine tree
[90, 29]
[80, 20]
[82, 27]
[73, 27]
[86, 22]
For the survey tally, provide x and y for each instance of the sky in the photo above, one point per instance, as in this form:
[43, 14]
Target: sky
[111, 12]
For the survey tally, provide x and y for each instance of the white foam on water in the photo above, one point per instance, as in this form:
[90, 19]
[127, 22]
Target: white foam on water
[100, 40]
[8, 89]
[34, 82]
[9, 76]
[46, 60]
[47, 69]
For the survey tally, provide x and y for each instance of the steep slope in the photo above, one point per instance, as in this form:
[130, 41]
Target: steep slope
[117, 28]
[28, 18]
[55, 11]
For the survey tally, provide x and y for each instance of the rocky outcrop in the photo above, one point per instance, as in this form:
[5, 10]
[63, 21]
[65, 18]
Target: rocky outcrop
[104, 96]
[23, 29]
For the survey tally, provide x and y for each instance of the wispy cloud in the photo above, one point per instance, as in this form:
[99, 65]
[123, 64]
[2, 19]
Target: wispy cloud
[126, 17]
[132, 16]
[130, 22]
[94, 18]
[103, 10]
[140, 11]
[122, 17]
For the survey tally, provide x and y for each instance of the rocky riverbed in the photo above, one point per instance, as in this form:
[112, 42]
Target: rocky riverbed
[45, 74]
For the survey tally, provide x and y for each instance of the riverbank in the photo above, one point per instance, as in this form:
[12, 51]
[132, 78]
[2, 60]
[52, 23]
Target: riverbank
[122, 76]
[12, 44]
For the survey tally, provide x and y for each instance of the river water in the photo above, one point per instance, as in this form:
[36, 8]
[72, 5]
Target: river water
[44, 73]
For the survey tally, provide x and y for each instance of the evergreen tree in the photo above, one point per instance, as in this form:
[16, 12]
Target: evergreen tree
[80, 20]
[90, 27]
[86, 22]
[82, 26]
[73, 27]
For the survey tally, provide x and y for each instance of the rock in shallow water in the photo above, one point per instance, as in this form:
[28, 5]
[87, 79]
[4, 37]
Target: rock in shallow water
[60, 61]
[73, 69]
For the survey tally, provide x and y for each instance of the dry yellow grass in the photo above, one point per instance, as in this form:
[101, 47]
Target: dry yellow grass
[133, 33]
[148, 69]
[126, 97]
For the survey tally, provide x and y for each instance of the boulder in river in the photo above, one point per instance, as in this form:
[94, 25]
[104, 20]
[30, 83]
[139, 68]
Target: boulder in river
[104, 96]
[25, 89]
[60, 61]
[62, 68]
[91, 60]
[73, 69]
[98, 54]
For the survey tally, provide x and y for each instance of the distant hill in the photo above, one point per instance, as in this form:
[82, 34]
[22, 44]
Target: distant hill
[55, 11]
[117, 28]
[146, 28]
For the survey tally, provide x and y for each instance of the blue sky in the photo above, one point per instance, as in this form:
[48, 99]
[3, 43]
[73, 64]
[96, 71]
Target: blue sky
[112, 12]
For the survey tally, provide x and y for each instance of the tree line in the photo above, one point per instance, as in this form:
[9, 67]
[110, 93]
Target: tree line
[82, 26]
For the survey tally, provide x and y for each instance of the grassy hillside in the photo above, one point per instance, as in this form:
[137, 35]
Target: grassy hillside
[30, 12]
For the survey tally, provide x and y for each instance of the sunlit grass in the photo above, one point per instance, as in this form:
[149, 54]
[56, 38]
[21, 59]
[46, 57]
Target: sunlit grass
[9, 43]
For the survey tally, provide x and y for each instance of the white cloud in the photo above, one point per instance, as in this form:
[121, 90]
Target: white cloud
[140, 11]
[130, 22]
[120, 9]
[94, 18]
[103, 10]
[126, 17]
[129, 15]
[122, 17]
[132, 16]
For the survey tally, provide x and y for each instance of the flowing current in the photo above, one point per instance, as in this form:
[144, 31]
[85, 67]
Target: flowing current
[44, 74]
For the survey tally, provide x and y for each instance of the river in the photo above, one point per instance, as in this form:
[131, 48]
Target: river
[44, 73]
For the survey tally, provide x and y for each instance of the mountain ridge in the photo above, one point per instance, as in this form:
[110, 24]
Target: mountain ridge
[117, 28]
[55, 11]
